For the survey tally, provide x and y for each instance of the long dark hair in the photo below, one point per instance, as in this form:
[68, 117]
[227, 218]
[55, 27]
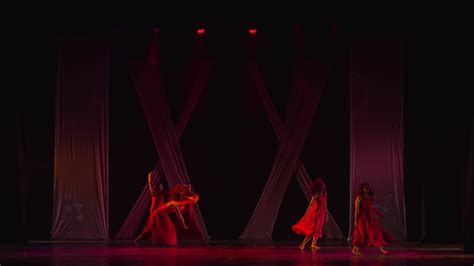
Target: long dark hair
[318, 187]
[366, 185]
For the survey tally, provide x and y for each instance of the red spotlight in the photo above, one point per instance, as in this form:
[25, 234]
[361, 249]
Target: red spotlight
[253, 31]
[200, 31]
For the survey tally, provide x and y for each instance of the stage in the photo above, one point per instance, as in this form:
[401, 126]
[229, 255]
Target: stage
[240, 127]
[224, 253]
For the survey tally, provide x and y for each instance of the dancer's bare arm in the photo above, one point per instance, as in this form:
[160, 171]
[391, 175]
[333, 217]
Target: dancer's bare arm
[357, 203]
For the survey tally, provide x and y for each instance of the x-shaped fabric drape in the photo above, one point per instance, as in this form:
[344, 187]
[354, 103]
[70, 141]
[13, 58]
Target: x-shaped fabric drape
[147, 80]
[331, 230]
[309, 81]
[200, 68]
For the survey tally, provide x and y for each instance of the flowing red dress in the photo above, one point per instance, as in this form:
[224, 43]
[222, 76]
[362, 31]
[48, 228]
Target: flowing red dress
[192, 232]
[368, 231]
[159, 226]
[313, 220]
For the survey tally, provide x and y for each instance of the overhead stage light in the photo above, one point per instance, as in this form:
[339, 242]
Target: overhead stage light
[200, 31]
[252, 31]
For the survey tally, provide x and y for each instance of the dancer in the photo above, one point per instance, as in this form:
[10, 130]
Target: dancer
[311, 225]
[192, 231]
[155, 192]
[180, 197]
[159, 226]
[367, 230]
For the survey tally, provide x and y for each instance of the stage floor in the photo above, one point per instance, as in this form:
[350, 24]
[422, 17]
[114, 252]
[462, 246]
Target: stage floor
[125, 253]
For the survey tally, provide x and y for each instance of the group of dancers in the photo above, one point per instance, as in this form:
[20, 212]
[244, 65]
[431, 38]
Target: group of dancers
[367, 231]
[161, 227]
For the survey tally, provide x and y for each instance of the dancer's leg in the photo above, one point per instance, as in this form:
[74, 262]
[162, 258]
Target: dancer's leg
[314, 243]
[355, 250]
[305, 240]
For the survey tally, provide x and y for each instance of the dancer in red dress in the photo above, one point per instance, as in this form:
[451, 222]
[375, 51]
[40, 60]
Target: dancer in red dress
[189, 228]
[159, 227]
[367, 230]
[181, 198]
[311, 225]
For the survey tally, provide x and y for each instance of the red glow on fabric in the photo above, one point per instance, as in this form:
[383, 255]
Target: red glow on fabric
[253, 31]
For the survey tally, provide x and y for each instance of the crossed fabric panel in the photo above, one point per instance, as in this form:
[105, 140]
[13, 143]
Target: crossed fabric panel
[200, 68]
[331, 230]
[147, 80]
[309, 81]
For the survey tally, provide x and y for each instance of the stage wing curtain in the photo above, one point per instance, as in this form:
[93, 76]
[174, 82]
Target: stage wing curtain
[467, 197]
[330, 229]
[200, 68]
[376, 129]
[147, 80]
[81, 178]
[309, 80]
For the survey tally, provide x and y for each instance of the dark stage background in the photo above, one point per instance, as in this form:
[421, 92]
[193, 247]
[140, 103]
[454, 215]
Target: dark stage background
[229, 143]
